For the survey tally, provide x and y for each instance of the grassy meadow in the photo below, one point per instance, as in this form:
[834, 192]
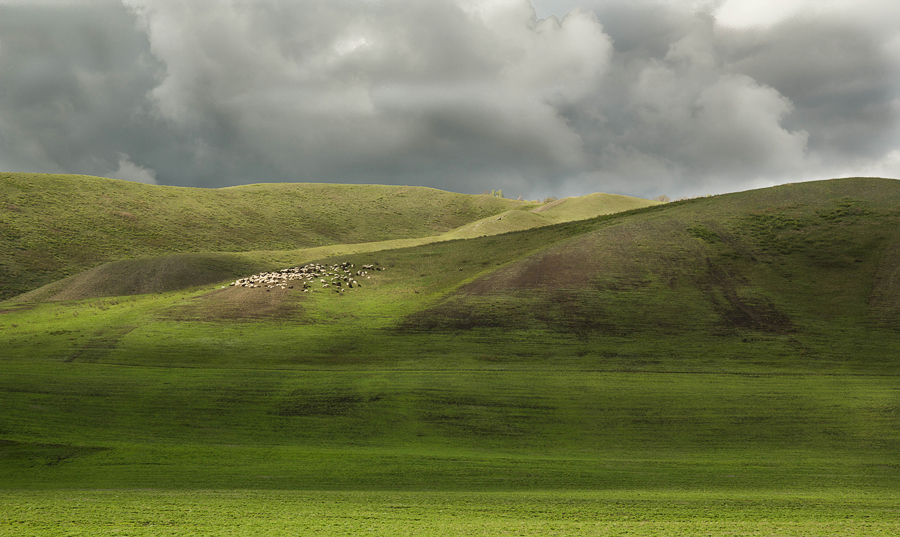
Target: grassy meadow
[55, 226]
[59, 225]
[718, 366]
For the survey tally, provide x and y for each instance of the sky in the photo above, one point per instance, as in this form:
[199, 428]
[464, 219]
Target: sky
[535, 98]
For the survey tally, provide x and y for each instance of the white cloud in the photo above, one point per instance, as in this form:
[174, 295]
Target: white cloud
[51, 3]
[887, 166]
[751, 13]
[129, 171]
[738, 126]
[756, 13]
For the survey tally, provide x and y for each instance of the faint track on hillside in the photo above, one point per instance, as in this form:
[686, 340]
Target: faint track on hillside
[101, 344]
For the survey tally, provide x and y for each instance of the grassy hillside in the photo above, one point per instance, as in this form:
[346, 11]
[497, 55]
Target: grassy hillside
[555, 212]
[147, 275]
[53, 226]
[721, 364]
[409, 210]
[810, 267]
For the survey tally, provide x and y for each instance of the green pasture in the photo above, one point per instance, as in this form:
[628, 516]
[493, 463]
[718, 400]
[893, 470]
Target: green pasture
[601, 513]
[111, 449]
[720, 366]
[475, 448]
[101, 426]
[54, 226]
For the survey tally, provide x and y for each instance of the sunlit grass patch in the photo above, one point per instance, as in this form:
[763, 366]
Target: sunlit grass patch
[625, 512]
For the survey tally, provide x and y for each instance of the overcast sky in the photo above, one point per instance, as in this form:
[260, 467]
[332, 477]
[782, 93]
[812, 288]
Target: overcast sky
[548, 97]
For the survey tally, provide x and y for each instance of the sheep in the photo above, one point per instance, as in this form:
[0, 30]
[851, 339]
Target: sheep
[336, 276]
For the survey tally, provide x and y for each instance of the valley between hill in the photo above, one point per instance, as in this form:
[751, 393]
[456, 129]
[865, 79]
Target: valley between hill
[736, 356]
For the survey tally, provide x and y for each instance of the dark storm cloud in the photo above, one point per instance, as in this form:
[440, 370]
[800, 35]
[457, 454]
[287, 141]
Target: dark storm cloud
[639, 97]
[72, 80]
[439, 93]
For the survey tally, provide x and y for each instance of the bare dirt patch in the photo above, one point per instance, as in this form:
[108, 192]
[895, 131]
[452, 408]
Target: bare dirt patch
[240, 304]
[17, 308]
[744, 312]
[554, 289]
[142, 276]
[885, 296]
[559, 268]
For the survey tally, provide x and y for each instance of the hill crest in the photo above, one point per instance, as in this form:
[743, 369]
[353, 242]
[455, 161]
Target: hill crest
[80, 223]
[55, 226]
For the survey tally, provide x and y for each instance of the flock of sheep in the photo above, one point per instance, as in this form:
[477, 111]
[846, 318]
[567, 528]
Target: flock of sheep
[309, 277]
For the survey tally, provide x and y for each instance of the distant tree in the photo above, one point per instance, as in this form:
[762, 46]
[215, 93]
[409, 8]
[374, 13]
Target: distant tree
[663, 198]
[548, 199]
[497, 193]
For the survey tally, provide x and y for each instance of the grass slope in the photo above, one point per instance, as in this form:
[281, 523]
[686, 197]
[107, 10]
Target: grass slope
[717, 365]
[556, 212]
[179, 271]
[810, 267]
[55, 226]
[147, 275]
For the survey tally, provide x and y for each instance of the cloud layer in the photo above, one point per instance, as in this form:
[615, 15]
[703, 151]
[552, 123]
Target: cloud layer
[639, 97]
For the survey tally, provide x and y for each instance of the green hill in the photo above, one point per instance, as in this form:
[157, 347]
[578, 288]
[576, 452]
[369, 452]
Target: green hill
[146, 275]
[719, 364]
[283, 221]
[555, 212]
[811, 265]
[791, 267]
[55, 226]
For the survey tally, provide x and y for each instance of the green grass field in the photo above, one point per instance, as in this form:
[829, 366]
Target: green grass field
[720, 366]
[641, 513]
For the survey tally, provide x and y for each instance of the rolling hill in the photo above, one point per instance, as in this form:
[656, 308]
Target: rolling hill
[741, 346]
[797, 270]
[814, 264]
[59, 225]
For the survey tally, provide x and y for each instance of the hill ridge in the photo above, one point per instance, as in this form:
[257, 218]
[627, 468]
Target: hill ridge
[41, 244]
[58, 225]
